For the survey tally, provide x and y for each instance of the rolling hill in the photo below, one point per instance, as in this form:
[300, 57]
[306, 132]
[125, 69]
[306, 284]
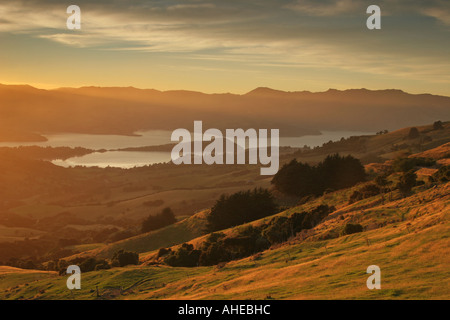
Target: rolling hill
[407, 237]
[127, 110]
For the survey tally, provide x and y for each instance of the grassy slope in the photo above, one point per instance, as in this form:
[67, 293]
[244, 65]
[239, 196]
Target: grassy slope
[413, 258]
[179, 232]
[408, 238]
[191, 228]
[381, 145]
[106, 195]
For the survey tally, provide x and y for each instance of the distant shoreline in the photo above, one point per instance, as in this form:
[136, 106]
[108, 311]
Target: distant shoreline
[26, 137]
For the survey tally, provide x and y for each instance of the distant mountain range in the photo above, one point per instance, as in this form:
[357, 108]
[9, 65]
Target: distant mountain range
[26, 112]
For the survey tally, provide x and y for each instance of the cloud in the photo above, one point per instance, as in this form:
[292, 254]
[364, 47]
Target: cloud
[265, 33]
[325, 8]
[198, 6]
[439, 13]
[438, 9]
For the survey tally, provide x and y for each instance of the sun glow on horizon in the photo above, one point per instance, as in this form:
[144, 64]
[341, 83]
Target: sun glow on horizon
[227, 47]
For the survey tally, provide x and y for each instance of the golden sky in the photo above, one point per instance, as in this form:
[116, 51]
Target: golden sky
[228, 46]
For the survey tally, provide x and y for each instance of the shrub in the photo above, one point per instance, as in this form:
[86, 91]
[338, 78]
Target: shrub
[163, 251]
[88, 265]
[437, 125]
[314, 217]
[355, 196]
[351, 228]
[102, 265]
[407, 164]
[280, 229]
[123, 258]
[185, 256]
[442, 175]
[406, 182]
[382, 181]
[256, 242]
[161, 220]
[365, 192]
[413, 133]
[213, 251]
[85, 264]
[218, 248]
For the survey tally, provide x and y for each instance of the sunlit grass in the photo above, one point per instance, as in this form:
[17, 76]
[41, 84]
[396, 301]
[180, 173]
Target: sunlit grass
[412, 250]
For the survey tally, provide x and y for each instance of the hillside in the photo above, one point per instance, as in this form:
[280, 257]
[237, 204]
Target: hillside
[381, 147]
[187, 229]
[403, 235]
[182, 231]
[127, 110]
[407, 237]
[437, 153]
[82, 208]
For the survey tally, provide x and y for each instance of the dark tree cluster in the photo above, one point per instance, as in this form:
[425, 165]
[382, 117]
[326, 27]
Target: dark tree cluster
[124, 258]
[280, 229]
[365, 192]
[351, 228]
[241, 207]
[442, 175]
[185, 256]
[407, 164]
[22, 263]
[161, 220]
[413, 133]
[86, 264]
[218, 247]
[120, 258]
[406, 182]
[437, 125]
[92, 264]
[335, 172]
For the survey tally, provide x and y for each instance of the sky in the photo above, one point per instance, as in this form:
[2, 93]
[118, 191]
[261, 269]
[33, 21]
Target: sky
[228, 45]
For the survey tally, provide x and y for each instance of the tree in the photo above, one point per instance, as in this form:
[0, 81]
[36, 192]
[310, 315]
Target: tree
[407, 181]
[382, 181]
[407, 164]
[442, 175]
[438, 125]
[282, 228]
[164, 218]
[351, 228]
[338, 172]
[279, 230]
[213, 251]
[335, 172]
[123, 258]
[219, 247]
[241, 207]
[296, 178]
[185, 256]
[413, 133]
[365, 192]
